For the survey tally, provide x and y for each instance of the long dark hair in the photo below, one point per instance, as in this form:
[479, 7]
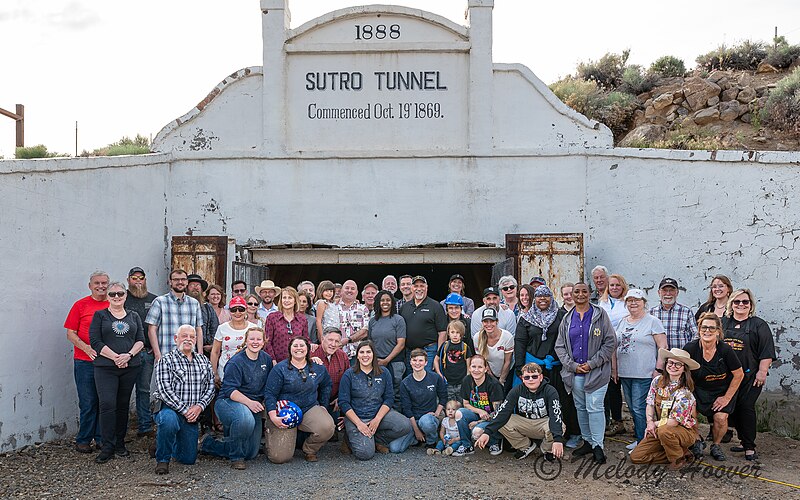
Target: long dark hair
[379, 312]
[308, 347]
[376, 368]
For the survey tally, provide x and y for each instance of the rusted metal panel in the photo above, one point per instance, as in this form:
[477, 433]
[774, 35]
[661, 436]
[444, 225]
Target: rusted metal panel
[556, 257]
[204, 255]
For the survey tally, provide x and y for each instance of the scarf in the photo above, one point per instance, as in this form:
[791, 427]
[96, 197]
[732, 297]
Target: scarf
[539, 318]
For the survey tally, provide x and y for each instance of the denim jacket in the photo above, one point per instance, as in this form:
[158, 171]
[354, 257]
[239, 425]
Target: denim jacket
[286, 382]
[365, 394]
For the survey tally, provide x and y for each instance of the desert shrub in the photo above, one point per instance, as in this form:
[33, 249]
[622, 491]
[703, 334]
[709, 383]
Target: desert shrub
[782, 109]
[635, 80]
[781, 54]
[744, 56]
[668, 66]
[607, 72]
[38, 151]
[139, 145]
[613, 109]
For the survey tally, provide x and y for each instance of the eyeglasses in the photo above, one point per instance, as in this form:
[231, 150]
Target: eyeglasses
[179, 279]
[116, 294]
[530, 377]
[742, 302]
[676, 364]
[706, 328]
[254, 304]
[509, 288]
[239, 291]
[237, 309]
[718, 287]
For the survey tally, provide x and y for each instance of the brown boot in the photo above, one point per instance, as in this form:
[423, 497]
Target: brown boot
[614, 428]
[344, 447]
[238, 465]
[381, 448]
[311, 458]
[162, 468]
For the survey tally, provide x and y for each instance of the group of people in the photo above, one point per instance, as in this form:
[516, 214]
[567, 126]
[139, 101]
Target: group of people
[298, 367]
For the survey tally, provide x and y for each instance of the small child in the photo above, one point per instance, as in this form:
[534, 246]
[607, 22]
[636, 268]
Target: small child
[449, 438]
[327, 309]
[452, 359]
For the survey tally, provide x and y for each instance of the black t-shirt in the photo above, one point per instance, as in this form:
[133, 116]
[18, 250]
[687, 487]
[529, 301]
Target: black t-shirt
[483, 396]
[715, 375]
[140, 306]
[423, 322]
[751, 341]
[118, 334]
[453, 359]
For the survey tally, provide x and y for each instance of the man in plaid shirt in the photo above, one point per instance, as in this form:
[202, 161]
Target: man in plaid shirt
[183, 387]
[170, 311]
[677, 319]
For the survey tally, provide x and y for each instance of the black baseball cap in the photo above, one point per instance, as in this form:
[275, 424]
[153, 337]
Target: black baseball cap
[456, 277]
[667, 282]
[419, 278]
[491, 290]
[135, 270]
[489, 313]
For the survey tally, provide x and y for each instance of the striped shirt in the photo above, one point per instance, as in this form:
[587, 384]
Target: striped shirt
[182, 383]
[168, 313]
[679, 323]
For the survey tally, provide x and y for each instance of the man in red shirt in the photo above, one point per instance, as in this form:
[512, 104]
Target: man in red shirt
[77, 325]
[330, 354]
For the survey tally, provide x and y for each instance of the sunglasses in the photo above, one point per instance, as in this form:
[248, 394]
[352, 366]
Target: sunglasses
[116, 294]
[706, 328]
[530, 377]
[240, 291]
[508, 288]
[136, 278]
[237, 309]
[742, 302]
[254, 304]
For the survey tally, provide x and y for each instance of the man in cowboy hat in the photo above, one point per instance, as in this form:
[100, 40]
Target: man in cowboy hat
[267, 291]
[196, 289]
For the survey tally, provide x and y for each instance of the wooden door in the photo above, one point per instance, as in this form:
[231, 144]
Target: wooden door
[204, 255]
[558, 258]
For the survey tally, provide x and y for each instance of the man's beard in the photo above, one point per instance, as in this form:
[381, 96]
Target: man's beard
[139, 290]
[196, 295]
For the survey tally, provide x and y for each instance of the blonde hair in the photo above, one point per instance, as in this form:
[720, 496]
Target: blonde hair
[247, 334]
[291, 291]
[734, 294]
[458, 326]
[452, 405]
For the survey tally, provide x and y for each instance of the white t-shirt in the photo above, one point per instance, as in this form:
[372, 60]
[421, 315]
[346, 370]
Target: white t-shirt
[231, 340]
[616, 310]
[497, 352]
[637, 351]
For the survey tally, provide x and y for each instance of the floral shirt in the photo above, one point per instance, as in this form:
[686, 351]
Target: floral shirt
[231, 339]
[352, 320]
[680, 402]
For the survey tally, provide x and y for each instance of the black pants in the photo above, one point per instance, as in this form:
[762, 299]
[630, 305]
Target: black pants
[613, 401]
[744, 413]
[568, 412]
[114, 388]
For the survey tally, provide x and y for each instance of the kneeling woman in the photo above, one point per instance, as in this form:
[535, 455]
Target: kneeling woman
[366, 396]
[240, 402]
[671, 409]
[308, 385]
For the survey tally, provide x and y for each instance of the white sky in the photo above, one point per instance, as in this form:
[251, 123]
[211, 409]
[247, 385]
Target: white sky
[122, 68]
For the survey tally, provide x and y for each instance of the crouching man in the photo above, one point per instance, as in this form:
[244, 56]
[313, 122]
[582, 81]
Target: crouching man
[538, 416]
[183, 387]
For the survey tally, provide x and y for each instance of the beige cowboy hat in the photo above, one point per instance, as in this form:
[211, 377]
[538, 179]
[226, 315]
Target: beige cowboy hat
[268, 285]
[680, 355]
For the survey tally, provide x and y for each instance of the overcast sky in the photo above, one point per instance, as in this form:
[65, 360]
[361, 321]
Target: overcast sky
[122, 68]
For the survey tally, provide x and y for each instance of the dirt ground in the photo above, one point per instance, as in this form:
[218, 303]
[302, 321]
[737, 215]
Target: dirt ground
[54, 470]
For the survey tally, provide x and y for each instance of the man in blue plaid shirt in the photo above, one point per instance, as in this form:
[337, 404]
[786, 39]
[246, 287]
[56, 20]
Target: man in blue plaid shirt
[170, 311]
[677, 319]
[183, 386]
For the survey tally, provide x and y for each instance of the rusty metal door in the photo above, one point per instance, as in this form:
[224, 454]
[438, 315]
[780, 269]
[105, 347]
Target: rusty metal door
[251, 274]
[204, 255]
[558, 258]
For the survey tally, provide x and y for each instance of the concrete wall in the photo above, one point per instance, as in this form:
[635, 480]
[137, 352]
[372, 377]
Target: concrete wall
[61, 220]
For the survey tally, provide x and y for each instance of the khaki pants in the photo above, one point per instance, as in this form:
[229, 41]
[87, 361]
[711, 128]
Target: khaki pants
[280, 442]
[671, 445]
[520, 430]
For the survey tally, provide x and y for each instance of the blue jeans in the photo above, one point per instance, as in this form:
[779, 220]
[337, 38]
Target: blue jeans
[394, 431]
[143, 415]
[242, 432]
[636, 390]
[591, 412]
[464, 442]
[175, 437]
[429, 425]
[465, 432]
[88, 403]
[396, 369]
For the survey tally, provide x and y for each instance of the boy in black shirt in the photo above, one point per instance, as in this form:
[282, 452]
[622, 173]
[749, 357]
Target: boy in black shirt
[452, 358]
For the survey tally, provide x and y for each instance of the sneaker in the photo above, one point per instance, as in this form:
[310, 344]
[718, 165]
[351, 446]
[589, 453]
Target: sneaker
[520, 454]
[238, 465]
[631, 446]
[717, 453]
[432, 451]
[448, 451]
[573, 441]
[585, 449]
[463, 450]
[549, 457]
[103, 457]
[697, 449]
[614, 428]
[162, 468]
[599, 456]
[728, 436]
[496, 449]
[122, 451]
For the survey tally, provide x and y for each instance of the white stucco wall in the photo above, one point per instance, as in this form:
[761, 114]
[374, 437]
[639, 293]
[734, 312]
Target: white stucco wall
[61, 220]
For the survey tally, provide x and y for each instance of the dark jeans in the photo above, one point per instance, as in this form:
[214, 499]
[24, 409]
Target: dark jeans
[744, 413]
[613, 401]
[175, 437]
[143, 415]
[114, 388]
[87, 403]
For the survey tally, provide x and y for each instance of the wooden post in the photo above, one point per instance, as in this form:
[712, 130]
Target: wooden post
[20, 126]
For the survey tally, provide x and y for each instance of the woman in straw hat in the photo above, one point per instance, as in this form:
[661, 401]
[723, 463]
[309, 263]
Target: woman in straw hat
[671, 413]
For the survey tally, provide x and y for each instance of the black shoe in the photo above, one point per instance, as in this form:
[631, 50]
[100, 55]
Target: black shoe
[122, 452]
[83, 448]
[104, 456]
[599, 456]
[728, 436]
[549, 457]
[697, 449]
[585, 449]
[751, 457]
[737, 449]
[716, 453]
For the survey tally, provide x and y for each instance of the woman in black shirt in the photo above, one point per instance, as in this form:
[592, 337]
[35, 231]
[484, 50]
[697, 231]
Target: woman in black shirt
[117, 336]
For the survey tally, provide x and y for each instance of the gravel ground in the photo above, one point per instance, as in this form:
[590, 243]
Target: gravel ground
[54, 470]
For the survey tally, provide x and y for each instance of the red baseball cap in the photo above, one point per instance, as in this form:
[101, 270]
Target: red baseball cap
[237, 301]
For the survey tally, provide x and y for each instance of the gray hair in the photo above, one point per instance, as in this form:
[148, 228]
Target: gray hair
[306, 282]
[117, 284]
[185, 327]
[99, 273]
[387, 277]
[331, 329]
[507, 279]
[600, 268]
